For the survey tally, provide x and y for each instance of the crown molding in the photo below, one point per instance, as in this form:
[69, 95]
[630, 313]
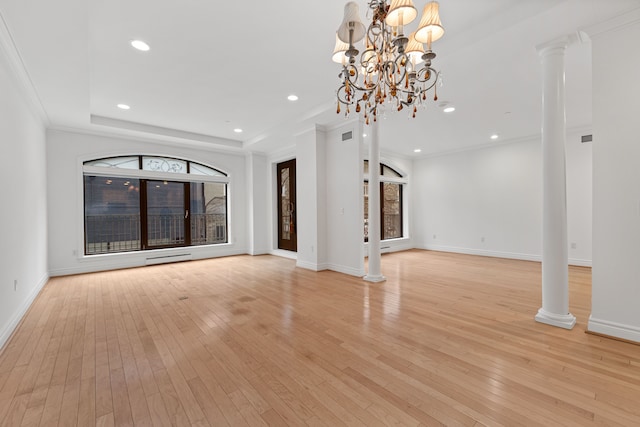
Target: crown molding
[527, 138]
[616, 23]
[9, 51]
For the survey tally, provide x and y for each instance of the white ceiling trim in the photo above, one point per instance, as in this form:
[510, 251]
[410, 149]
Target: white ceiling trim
[158, 130]
[130, 136]
[613, 24]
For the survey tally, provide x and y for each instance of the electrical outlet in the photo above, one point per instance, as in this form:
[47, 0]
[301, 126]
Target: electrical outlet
[15, 285]
[434, 236]
[482, 239]
[573, 245]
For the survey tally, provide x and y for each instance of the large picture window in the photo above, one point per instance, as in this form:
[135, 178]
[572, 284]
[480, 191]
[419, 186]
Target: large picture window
[391, 185]
[142, 202]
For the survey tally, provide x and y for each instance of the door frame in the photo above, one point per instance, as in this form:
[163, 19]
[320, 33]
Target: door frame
[144, 231]
[291, 244]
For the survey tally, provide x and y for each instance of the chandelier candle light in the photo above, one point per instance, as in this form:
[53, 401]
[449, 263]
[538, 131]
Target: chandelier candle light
[393, 68]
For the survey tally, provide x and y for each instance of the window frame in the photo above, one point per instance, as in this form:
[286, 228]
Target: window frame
[146, 175]
[402, 181]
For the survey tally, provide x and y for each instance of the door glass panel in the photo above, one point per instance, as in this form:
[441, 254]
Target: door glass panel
[111, 214]
[286, 185]
[366, 211]
[165, 213]
[208, 213]
[285, 200]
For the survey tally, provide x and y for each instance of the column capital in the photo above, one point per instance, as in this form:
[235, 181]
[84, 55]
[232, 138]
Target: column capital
[555, 46]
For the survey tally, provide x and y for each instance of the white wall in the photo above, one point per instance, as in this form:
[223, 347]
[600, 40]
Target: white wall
[311, 199]
[616, 179]
[345, 204]
[257, 225]
[23, 217]
[579, 162]
[489, 201]
[65, 154]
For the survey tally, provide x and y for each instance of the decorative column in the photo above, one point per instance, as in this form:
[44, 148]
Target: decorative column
[374, 274]
[555, 257]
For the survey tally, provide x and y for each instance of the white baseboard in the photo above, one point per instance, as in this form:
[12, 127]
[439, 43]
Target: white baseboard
[255, 252]
[346, 269]
[580, 262]
[92, 268]
[311, 265]
[499, 254]
[13, 323]
[284, 254]
[613, 329]
[391, 245]
[483, 252]
[131, 260]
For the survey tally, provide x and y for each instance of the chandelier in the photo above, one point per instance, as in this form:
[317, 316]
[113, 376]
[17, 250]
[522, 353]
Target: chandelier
[393, 69]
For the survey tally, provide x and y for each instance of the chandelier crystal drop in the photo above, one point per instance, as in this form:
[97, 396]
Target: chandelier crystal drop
[393, 70]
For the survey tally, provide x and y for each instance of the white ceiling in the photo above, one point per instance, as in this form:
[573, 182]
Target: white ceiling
[215, 66]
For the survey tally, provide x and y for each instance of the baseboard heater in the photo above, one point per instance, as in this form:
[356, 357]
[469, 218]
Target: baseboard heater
[168, 258]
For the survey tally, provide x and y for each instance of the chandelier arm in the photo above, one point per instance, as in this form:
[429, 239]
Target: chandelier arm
[341, 94]
[433, 74]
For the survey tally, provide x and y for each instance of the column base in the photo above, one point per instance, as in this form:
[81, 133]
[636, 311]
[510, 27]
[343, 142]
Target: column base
[566, 321]
[374, 278]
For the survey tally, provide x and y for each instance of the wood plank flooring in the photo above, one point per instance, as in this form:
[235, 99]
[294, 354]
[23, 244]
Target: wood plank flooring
[253, 341]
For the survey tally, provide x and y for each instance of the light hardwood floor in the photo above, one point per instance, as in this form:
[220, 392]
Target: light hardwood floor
[446, 340]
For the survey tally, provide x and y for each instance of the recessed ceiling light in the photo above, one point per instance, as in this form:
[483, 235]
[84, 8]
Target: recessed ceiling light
[123, 107]
[140, 45]
[237, 130]
[292, 97]
[449, 109]
[494, 136]
[364, 135]
[417, 150]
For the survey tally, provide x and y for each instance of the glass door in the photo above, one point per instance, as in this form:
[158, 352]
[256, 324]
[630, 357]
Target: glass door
[287, 233]
[167, 214]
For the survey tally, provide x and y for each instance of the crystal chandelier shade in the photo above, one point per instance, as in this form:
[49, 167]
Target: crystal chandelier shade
[392, 70]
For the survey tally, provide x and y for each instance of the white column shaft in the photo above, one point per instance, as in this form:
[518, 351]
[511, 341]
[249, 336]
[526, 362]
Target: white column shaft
[555, 258]
[373, 273]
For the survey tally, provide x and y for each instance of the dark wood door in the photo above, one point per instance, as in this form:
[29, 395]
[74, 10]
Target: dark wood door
[287, 231]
